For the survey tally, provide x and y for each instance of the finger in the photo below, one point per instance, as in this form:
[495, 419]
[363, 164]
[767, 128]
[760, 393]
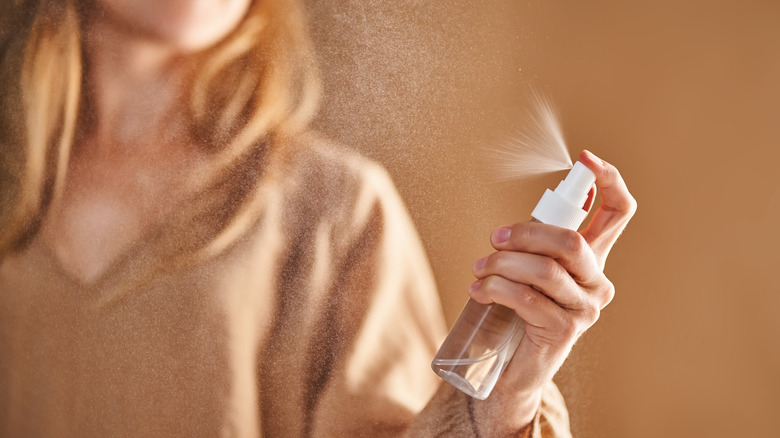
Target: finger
[616, 209]
[614, 193]
[541, 272]
[531, 305]
[567, 247]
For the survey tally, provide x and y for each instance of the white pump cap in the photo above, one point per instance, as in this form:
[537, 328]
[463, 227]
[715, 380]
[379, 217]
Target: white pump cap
[563, 207]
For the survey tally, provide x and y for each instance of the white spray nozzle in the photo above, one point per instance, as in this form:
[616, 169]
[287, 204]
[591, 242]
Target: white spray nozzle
[575, 187]
[563, 207]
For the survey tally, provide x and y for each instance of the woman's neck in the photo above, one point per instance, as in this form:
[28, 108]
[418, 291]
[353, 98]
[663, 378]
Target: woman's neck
[136, 88]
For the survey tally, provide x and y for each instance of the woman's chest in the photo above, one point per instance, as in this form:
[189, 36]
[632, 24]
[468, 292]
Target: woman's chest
[179, 352]
[109, 205]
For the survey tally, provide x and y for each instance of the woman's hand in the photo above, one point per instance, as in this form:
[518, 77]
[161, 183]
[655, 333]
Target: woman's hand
[553, 278]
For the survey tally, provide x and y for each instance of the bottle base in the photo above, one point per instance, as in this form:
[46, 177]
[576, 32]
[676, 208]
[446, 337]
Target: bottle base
[462, 384]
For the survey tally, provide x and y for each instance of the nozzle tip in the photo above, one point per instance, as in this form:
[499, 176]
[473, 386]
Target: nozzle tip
[580, 177]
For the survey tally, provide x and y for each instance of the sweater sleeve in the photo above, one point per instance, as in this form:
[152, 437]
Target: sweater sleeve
[382, 383]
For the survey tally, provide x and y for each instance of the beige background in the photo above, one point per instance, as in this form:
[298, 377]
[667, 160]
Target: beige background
[683, 97]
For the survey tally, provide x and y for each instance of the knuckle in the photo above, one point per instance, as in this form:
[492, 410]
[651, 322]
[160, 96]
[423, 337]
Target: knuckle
[568, 327]
[608, 292]
[573, 242]
[498, 262]
[549, 271]
[627, 205]
[632, 205]
[486, 285]
[490, 285]
[529, 297]
[483, 292]
[592, 314]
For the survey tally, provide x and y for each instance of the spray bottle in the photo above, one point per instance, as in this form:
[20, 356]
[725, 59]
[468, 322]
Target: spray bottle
[485, 337]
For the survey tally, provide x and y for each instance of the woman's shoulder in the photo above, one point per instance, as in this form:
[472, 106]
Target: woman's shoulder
[320, 170]
[315, 154]
[329, 186]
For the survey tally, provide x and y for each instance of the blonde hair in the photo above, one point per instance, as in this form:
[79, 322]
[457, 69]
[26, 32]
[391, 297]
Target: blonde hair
[268, 56]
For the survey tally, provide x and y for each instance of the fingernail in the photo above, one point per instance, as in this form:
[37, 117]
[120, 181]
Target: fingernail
[474, 286]
[501, 235]
[479, 264]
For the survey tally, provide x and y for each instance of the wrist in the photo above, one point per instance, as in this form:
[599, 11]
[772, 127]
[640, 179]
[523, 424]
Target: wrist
[505, 414]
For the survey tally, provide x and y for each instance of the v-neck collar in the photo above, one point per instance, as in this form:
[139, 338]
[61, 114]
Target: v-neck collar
[111, 273]
[145, 253]
[137, 256]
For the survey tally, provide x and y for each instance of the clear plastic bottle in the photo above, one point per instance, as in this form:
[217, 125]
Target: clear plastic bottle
[485, 337]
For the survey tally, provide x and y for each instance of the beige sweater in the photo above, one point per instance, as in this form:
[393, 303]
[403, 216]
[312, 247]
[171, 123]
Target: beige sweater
[322, 321]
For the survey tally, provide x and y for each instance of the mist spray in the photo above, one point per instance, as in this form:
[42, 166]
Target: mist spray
[485, 337]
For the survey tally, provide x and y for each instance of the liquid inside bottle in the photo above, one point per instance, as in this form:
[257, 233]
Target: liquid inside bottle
[482, 342]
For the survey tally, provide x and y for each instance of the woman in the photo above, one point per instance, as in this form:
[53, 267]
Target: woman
[180, 257]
